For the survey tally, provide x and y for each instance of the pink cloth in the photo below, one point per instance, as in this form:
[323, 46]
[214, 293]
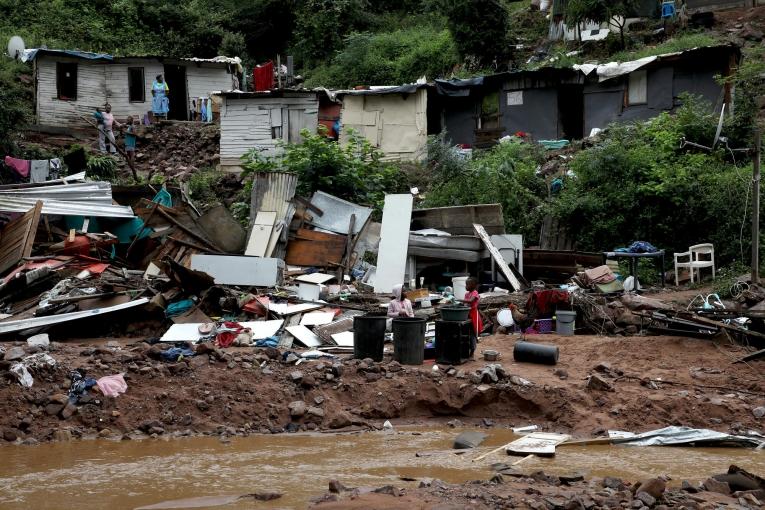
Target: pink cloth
[112, 385]
[20, 166]
[395, 308]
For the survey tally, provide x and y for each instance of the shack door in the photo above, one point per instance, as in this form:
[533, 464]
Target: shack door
[571, 112]
[179, 98]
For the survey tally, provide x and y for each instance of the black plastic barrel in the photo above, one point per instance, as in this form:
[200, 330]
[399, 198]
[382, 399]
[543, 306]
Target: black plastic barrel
[535, 353]
[369, 336]
[409, 340]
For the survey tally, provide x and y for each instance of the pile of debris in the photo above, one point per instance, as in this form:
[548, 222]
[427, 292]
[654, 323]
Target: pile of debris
[178, 150]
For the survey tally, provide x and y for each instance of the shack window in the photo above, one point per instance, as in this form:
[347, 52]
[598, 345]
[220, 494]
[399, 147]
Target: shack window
[136, 85]
[638, 88]
[66, 81]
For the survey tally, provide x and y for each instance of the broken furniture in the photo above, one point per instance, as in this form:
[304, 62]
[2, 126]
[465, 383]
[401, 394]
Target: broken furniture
[634, 258]
[698, 257]
[17, 236]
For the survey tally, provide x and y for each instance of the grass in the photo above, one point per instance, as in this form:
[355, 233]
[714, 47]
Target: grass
[681, 43]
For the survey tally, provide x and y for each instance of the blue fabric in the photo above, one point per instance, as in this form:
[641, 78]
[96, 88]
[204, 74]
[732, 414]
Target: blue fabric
[556, 185]
[178, 308]
[163, 197]
[638, 247]
[668, 10]
[130, 137]
[30, 55]
[160, 104]
[271, 341]
[175, 353]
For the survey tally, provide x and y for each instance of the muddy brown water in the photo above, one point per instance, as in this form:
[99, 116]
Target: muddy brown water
[97, 474]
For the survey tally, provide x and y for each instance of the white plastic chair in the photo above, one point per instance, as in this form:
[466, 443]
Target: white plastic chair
[699, 256]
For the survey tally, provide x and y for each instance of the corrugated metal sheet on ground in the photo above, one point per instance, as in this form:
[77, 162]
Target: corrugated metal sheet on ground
[337, 213]
[80, 199]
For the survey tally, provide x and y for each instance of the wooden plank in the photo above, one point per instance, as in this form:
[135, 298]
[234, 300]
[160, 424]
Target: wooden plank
[311, 248]
[17, 237]
[257, 244]
[497, 256]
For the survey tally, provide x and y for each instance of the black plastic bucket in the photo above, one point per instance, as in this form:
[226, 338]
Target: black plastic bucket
[369, 336]
[409, 340]
[535, 353]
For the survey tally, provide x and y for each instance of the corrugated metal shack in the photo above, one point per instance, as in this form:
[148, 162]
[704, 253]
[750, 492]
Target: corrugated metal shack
[260, 120]
[554, 103]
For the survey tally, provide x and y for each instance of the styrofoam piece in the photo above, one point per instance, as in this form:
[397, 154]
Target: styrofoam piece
[317, 318]
[309, 291]
[304, 335]
[190, 332]
[344, 339]
[394, 242]
[239, 270]
[316, 278]
[290, 309]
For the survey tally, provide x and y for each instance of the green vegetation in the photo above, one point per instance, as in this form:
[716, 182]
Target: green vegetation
[354, 171]
[388, 58]
[682, 42]
[15, 104]
[504, 174]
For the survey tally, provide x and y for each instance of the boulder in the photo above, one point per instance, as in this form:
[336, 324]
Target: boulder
[468, 439]
[14, 354]
[653, 486]
[297, 408]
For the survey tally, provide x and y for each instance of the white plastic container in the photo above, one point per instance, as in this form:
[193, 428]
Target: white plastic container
[459, 283]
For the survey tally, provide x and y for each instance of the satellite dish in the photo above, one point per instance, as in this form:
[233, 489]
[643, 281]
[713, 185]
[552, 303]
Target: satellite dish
[719, 126]
[16, 47]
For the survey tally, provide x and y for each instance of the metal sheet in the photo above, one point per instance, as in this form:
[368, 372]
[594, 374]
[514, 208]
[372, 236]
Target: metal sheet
[58, 207]
[337, 213]
[77, 199]
[394, 239]
[239, 270]
[274, 191]
[674, 436]
[304, 335]
[35, 322]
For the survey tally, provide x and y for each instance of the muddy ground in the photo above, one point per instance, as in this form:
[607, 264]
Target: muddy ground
[644, 382]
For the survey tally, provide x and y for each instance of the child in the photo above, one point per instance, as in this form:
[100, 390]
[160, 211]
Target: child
[471, 299]
[130, 139]
[399, 306]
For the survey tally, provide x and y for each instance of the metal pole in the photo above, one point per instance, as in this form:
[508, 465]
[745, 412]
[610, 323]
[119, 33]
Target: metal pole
[756, 209]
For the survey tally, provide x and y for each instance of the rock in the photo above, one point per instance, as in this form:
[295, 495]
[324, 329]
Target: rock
[653, 486]
[597, 383]
[308, 381]
[340, 420]
[468, 439]
[372, 377]
[296, 376]
[329, 377]
[156, 430]
[41, 341]
[58, 398]
[14, 354]
[646, 498]
[751, 33]
[483, 388]
[611, 482]
[291, 427]
[337, 369]
[53, 409]
[388, 489]
[454, 423]
[712, 485]
[688, 487]
[297, 408]
[265, 495]
[68, 410]
[336, 487]
[62, 435]
[318, 400]
[487, 422]
[104, 433]
[271, 352]
[10, 435]
[561, 373]
[315, 411]
[291, 358]
[758, 412]
[202, 405]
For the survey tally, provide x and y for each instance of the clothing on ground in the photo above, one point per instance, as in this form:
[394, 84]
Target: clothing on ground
[112, 385]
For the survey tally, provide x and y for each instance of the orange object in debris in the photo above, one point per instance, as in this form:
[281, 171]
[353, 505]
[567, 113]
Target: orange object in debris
[79, 246]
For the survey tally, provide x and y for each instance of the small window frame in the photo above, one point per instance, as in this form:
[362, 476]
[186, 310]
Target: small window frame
[65, 85]
[132, 86]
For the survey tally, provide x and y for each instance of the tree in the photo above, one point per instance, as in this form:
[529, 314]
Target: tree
[600, 11]
[479, 28]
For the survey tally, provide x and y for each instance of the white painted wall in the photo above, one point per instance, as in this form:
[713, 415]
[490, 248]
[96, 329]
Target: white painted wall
[102, 82]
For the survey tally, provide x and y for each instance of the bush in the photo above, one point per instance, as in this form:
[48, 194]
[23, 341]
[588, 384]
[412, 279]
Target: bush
[388, 58]
[637, 184]
[504, 174]
[354, 171]
[101, 168]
